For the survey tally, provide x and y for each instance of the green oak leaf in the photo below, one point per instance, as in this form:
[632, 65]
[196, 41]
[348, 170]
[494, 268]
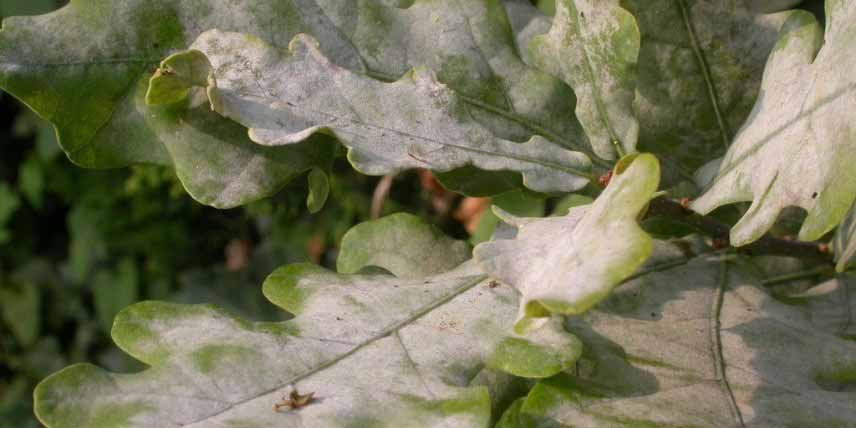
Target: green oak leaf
[414, 122]
[699, 343]
[567, 264]
[699, 72]
[513, 417]
[399, 243]
[375, 350]
[470, 46]
[593, 45]
[86, 67]
[176, 76]
[697, 75]
[796, 147]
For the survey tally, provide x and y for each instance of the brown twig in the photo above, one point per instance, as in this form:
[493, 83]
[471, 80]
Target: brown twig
[766, 245]
[381, 192]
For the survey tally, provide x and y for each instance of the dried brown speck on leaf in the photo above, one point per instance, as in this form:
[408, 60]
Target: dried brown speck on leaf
[294, 401]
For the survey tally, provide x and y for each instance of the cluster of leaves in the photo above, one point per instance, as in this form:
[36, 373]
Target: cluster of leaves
[77, 246]
[722, 101]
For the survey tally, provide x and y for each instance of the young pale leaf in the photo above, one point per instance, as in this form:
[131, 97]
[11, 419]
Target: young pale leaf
[415, 122]
[86, 67]
[568, 264]
[400, 243]
[593, 46]
[373, 350]
[797, 147]
[701, 345]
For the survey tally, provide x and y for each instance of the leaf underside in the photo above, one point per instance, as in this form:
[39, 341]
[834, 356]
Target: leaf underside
[567, 264]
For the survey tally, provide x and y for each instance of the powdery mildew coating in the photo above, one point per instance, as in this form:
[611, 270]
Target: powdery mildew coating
[796, 147]
[415, 122]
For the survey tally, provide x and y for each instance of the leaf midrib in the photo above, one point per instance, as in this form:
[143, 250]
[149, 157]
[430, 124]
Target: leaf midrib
[713, 97]
[392, 329]
[596, 89]
[358, 121]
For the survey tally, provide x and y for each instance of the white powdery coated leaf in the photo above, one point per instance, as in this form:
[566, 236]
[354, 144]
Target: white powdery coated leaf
[415, 122]
[594, 47]
[85, 68]
[527, 23]
[568, 264]
[703, 345]
[796, 149]
[470, 45]
[398, 353]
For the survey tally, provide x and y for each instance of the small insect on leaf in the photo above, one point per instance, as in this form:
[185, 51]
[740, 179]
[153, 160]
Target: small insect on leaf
[294, 401]
[492, 284]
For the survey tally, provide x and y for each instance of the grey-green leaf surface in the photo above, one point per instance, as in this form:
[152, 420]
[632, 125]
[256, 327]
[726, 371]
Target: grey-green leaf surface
[797, 147]
[470, 46]
[568, 264]
[701, 345]
[86, 67]
[832, 305]
[403, 245]
[697, 76]
[699, 73]
[593, 46]
[375, 350]
[414, 122]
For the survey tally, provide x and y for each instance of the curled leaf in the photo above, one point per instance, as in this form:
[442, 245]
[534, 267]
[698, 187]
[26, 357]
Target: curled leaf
[568, 264]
